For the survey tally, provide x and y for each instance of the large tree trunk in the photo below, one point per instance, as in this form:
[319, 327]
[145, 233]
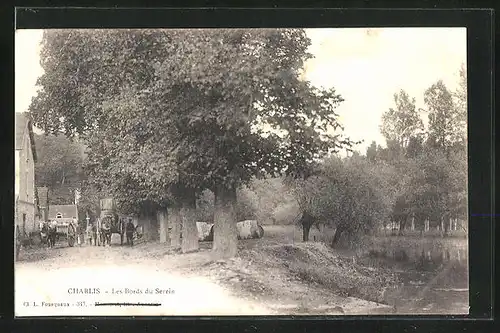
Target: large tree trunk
[189, 230]
[306, 221]
[306, 228]
[150, 229]
[145, 222]
[174, 223]
[162, 217]
[147, 219]
[402, 223]
[336, 237]
[446, 225]
[225, 243]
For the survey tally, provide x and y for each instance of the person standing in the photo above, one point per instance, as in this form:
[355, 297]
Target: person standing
[78, 231]
[129, 230]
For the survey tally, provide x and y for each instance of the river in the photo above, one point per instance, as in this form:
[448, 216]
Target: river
[433, 273]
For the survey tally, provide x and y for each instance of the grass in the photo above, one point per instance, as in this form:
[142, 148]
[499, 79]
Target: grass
[280, 259]
[315, 263]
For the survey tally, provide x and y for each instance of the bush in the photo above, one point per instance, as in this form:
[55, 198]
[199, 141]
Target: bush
[246, 207]
[346, 194]
[205, 207]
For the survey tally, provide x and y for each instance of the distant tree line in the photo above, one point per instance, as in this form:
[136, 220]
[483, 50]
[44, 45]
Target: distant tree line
[420, 176]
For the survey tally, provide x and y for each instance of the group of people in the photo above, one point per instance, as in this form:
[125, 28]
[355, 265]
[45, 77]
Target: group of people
[96, 233]
[101, 232]
[48, 233]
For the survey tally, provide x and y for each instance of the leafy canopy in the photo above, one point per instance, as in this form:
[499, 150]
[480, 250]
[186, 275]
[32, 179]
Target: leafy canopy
[160, 108]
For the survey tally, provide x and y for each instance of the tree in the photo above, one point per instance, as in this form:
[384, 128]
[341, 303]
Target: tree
[262, 91]
[307, 193]
[371, 152]
[460, 97]
[227, 129]
[445, 119]
[447, 146]
[415, 146]
[359, 191]
[403, 122]
[59, 161]
[351, 195]
[59, 167]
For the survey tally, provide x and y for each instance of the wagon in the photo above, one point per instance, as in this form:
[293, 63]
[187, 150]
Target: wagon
[66, 229]
[117, 225]
[108, 212]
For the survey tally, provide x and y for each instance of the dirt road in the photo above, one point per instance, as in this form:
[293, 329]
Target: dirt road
[70, 281]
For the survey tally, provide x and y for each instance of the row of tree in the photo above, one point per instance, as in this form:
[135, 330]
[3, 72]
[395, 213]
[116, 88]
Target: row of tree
[420, 176]
[169, 114]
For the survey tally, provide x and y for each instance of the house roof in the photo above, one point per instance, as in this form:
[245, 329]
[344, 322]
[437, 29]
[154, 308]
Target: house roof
[23, 124]
[68, 211]
[43, 196]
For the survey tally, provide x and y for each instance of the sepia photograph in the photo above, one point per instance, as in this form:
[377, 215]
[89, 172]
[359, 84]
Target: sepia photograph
[221, 172]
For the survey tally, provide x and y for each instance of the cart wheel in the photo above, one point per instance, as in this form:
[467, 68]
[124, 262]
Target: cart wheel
[71, 241]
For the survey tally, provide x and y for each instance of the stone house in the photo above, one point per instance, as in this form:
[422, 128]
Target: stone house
[26, 213]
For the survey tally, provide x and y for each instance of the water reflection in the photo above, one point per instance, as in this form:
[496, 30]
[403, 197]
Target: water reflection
[422, 258]
[434, 274]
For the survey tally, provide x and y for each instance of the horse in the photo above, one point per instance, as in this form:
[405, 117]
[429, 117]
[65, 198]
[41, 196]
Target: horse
[48, 234]
[105, 232]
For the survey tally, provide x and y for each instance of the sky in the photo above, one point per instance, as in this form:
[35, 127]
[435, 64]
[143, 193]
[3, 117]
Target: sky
[365, 66]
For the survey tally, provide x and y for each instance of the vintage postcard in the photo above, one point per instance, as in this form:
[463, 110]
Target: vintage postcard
[215, 172]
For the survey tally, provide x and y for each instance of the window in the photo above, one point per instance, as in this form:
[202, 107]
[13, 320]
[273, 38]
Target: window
[59, 216]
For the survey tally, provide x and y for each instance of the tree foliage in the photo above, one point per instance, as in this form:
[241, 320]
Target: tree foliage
[218, 90]
[445, 118]
[164, 111]
[59, 161]
[402, 123]
[349, 194]
[433, 166]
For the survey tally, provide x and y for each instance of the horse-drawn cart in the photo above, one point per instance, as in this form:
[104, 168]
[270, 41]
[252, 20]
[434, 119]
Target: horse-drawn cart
[61, 228]
[109, 223]
[67, 230]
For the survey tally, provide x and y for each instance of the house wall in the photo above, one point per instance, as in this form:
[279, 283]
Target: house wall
[25, 188]
[16, 185]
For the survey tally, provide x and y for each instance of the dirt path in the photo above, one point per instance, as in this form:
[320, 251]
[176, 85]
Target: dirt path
[50, 283]
[192, 284]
